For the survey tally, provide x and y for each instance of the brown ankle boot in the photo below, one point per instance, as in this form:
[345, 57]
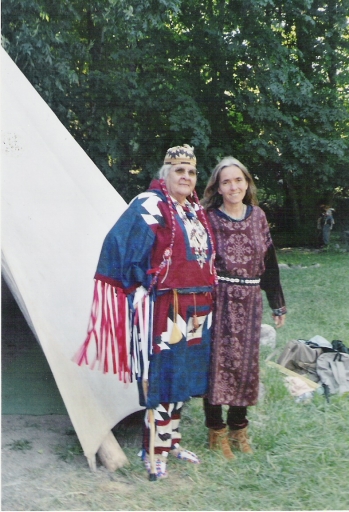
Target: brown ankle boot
[240, 440]
[218, 440]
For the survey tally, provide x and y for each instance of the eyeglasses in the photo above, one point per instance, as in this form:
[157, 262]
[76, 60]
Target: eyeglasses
[191, 172]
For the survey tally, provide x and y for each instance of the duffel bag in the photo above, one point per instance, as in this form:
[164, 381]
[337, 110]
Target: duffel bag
[301, 358]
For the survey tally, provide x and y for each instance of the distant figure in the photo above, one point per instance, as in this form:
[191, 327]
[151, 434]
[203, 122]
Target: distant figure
[324, 225]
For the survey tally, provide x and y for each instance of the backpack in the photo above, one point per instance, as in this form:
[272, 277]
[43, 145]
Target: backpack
[301, 356]
[333, 371]
[339, 346]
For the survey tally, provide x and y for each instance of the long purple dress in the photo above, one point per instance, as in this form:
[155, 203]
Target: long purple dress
[244, 249]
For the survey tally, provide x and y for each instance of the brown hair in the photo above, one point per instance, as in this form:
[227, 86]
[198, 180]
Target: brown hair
[213, 199]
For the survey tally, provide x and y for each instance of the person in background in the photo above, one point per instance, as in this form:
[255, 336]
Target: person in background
[159, 258]
[325, 224]
[246, 263]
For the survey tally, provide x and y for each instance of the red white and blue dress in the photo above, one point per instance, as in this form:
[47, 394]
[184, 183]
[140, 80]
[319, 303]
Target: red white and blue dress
[156, 246]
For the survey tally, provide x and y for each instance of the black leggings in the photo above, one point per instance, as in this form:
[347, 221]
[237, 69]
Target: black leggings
[236, 417]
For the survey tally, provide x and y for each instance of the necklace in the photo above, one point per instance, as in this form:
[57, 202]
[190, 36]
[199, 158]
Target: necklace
[244, 208]
[195, 230]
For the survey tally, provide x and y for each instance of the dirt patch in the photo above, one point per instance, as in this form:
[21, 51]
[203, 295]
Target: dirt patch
[43, 467]
[42, 464]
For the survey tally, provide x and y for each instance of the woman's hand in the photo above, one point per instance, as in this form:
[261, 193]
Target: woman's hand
[279, 320]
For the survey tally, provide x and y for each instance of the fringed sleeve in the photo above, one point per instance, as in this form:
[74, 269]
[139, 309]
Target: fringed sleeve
[105, 346]
[119, 337]
[120, 326]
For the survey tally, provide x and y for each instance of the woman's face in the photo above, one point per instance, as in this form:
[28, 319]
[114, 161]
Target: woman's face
[181, 181]
[232, 185]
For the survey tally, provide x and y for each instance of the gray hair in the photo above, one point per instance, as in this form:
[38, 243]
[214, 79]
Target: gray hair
[164, 170]
[227, 162]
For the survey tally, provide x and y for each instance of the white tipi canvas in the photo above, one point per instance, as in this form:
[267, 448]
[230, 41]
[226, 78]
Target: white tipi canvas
[57, 208]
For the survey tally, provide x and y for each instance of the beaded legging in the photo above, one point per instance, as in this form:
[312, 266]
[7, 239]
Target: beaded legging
[167, 418]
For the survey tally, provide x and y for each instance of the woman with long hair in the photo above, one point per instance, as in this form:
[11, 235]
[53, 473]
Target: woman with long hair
[246, 263]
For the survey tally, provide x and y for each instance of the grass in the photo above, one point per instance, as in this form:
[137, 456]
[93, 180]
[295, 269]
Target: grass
[300, 463]
[69, 450]
[301, 450]
[316, 296]
[21, 445]
[301, 459]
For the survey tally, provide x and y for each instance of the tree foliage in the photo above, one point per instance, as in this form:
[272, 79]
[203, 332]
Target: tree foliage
[263, 80]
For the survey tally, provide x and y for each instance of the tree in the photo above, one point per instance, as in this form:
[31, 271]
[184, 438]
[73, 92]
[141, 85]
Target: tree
[262, 80]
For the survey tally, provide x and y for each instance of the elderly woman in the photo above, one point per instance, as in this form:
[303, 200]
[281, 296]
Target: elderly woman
[246, 264]
[159, 258]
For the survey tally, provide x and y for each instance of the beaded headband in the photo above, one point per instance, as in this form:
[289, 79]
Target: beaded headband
[180, 155]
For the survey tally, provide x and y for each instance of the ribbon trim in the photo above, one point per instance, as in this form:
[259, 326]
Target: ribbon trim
[106, 343]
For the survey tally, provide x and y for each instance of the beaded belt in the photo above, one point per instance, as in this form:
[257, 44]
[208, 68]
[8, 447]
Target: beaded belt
[249, 281]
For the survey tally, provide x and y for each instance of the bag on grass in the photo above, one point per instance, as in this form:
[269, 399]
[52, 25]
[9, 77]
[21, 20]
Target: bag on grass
[339, 345]
[333, 371]
[300, 357]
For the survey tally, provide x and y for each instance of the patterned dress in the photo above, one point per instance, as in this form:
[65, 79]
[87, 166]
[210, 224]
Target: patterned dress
[244, 249]
[132, 253]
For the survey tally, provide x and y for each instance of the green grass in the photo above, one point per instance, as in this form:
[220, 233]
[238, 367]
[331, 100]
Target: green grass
[317, 297]
[21, 445]
[300, 462]
[301, 459]
[301, 450]
[69, 450]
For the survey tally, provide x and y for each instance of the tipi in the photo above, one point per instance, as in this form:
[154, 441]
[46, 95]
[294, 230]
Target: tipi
[56, 210]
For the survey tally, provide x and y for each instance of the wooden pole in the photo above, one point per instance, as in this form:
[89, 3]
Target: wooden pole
[92, 463]
[111, 454]
[152, 476]
[286, 371]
